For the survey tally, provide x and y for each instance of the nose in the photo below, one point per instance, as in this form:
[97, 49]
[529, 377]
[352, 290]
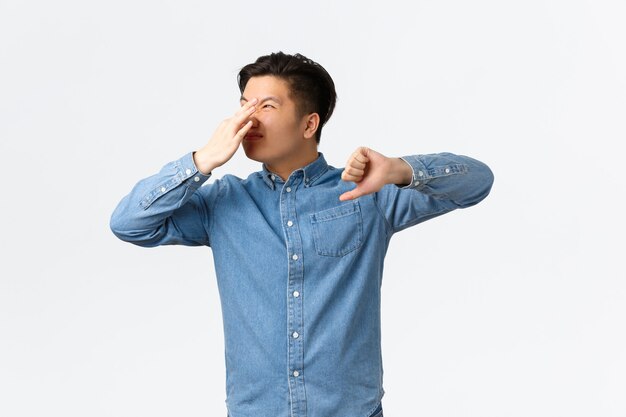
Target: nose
[255, 120]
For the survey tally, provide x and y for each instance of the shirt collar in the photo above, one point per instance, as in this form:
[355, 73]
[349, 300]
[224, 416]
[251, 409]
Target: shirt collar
[311, 172]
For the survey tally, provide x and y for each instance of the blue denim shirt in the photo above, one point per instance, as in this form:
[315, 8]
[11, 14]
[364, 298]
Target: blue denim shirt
[299, 272]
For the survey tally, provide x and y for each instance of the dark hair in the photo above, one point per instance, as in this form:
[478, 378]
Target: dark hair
[310, 84]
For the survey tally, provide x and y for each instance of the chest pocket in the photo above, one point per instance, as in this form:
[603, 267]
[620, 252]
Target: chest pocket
[339, 230]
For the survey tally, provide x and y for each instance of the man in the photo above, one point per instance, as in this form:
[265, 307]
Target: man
[298, 249]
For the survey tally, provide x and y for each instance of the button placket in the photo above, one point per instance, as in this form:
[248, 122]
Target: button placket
[294, 291]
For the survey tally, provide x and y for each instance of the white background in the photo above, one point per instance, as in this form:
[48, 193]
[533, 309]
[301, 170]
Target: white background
[515, 307]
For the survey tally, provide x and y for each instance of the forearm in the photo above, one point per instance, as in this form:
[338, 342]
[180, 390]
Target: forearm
[460, 179]
[142, 216]
[400, 172]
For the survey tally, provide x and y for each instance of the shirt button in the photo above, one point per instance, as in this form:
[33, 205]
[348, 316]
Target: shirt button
[447, 170]
[289, 223]
[288, 189]
[187, 171]
[296, 374]
[420, 173]
[296, 294]
[295, 335]
[294, 257]
[162, 189]
[273, 177]
[417, 183]
[196, 179]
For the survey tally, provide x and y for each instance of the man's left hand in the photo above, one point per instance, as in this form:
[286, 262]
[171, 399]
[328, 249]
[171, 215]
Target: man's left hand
[371, 171]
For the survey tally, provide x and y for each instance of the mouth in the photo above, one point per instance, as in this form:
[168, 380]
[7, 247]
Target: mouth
[253, 136]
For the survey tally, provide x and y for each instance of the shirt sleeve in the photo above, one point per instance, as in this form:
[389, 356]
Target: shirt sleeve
[167, 208]
[440, 183]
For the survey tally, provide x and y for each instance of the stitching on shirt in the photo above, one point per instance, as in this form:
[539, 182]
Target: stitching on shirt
[319, 174]
[422, 219]
[220, 187]
[156, 192]
[388, 226]
[280, 208]
[330, 217]
[205, 214]
[447, 170]
[371, 411]
[337, 212]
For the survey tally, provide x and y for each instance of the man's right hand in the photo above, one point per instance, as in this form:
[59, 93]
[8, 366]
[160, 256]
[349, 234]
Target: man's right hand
[226, 139]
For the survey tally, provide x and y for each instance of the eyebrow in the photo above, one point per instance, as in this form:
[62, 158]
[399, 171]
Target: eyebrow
[273, 98]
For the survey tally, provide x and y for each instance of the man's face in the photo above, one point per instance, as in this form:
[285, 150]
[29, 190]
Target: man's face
[277, 135]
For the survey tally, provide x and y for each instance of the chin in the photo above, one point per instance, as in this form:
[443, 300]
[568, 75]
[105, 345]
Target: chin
[254, 154]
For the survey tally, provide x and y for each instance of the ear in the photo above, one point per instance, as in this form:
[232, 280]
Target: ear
[312, 122]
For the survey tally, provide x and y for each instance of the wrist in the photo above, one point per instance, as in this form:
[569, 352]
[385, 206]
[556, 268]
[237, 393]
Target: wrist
[400, 172]
[203, 162]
